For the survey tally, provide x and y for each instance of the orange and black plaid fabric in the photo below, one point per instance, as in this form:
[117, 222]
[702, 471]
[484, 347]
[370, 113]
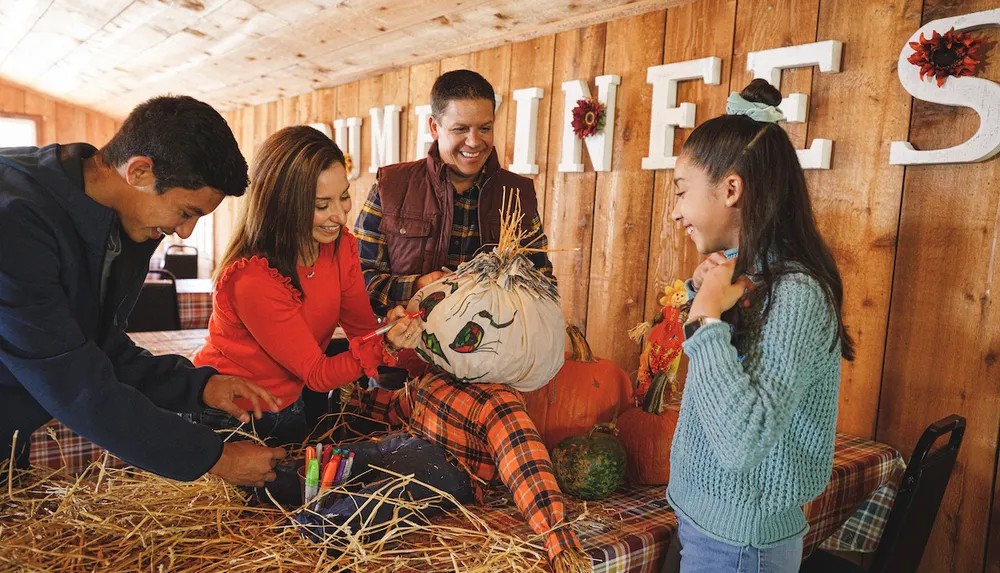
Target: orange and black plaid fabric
[486, 428]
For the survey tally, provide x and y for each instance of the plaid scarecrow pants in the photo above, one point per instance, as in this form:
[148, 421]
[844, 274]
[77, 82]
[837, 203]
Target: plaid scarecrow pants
[487, 430]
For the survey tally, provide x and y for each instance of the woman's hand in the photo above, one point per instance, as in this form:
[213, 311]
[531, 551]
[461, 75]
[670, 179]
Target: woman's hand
[718, 292]
[406, 334]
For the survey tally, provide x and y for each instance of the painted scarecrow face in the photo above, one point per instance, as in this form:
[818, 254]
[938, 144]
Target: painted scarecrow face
[480, 332]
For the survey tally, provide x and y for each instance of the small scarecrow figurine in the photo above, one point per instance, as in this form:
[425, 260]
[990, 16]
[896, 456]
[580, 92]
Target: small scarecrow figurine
[663, 336]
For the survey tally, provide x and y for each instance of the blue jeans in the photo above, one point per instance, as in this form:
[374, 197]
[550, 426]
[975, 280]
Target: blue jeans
[703, 554]
[282, 428]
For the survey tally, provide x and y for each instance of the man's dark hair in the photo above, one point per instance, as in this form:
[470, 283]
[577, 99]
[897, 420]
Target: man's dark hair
[459, 84]
[190, 144]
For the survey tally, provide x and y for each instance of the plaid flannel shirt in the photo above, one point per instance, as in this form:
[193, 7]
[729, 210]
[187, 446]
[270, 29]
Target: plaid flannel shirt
[486, 428]
[387, 290]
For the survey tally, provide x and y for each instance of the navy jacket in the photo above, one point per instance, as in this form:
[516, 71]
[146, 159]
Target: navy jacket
[63, 353]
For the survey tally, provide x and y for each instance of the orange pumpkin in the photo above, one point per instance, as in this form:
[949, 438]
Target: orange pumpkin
[585, 392]
[647, 432]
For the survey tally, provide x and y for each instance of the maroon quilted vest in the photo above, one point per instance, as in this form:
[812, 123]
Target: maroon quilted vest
[418, 206]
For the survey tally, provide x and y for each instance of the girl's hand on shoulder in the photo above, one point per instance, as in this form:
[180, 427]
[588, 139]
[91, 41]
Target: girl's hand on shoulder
[719, 293]
[713, 260]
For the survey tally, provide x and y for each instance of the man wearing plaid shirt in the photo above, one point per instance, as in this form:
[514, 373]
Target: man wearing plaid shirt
[436, 213]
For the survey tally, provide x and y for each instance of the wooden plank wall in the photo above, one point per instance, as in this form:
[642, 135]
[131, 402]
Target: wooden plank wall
[916, 245]
[61, 122]
[944, 326]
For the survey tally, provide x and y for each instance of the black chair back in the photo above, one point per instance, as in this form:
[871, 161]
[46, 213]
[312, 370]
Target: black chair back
[157, 307]
[919, 498]
[183, 265]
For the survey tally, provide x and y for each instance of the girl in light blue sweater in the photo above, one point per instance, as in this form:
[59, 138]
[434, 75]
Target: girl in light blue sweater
[755, 437]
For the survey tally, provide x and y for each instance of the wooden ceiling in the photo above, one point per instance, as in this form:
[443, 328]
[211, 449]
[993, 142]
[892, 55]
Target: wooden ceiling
[112, 54]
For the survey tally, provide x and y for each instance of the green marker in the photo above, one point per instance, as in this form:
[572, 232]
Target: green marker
[312, 479]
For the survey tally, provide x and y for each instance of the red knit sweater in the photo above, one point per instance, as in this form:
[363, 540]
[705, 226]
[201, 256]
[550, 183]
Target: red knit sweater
[263, 330]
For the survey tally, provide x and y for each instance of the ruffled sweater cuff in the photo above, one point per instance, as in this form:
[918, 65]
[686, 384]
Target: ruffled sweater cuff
[371, 354]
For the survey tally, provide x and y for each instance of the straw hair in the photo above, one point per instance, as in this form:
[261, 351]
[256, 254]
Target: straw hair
[506, 265]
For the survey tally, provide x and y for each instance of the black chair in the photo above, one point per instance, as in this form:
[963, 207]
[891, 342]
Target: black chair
[913, 513]
[157, 307]
[183, 265]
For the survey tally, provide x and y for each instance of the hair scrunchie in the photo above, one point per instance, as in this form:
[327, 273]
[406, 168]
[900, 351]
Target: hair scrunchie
[737, 105]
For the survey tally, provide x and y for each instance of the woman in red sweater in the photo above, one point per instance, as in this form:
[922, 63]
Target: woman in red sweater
[290, 276]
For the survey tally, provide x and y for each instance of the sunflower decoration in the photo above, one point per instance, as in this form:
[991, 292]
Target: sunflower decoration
[588, 117]
[348, 162]
[954, 54]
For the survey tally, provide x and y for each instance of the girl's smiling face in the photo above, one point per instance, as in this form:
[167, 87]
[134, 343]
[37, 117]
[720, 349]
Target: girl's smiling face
[709, 212]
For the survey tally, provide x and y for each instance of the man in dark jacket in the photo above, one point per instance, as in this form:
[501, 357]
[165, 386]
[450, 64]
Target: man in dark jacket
[77, 229]
[438, 212]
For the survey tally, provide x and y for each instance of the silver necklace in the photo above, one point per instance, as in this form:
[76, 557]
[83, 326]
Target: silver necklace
[313, 266]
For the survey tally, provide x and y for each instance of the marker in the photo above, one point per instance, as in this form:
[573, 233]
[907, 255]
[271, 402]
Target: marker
[334, 452]
[327, 450]
[341, 469]
[388, 327]
[329, 477]
[328, 480]
[334, 462]
[319, 451]
[336, 458]
[310, 454]
[347, 470]
[312, 479]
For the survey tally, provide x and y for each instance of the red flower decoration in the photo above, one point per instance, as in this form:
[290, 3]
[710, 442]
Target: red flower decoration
[588, 117]
[952, 54]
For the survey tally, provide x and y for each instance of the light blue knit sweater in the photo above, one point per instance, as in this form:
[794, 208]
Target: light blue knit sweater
[754, 441]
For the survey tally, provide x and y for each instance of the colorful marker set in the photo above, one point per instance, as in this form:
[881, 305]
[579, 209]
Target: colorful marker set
[331, 464]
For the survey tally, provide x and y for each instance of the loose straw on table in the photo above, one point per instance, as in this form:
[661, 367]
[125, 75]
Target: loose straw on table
[117, 520]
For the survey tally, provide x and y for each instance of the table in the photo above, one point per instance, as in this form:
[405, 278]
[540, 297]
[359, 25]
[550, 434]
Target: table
[183, 342]
[631, 530]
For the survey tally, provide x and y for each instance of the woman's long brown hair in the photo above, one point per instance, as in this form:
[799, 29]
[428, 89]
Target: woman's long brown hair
[278, 214]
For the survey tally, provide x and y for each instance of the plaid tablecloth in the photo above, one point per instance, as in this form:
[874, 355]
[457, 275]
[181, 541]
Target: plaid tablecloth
[627, 532]
[851, 513]
[183, 342]
[194, 300]
[631, 530]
